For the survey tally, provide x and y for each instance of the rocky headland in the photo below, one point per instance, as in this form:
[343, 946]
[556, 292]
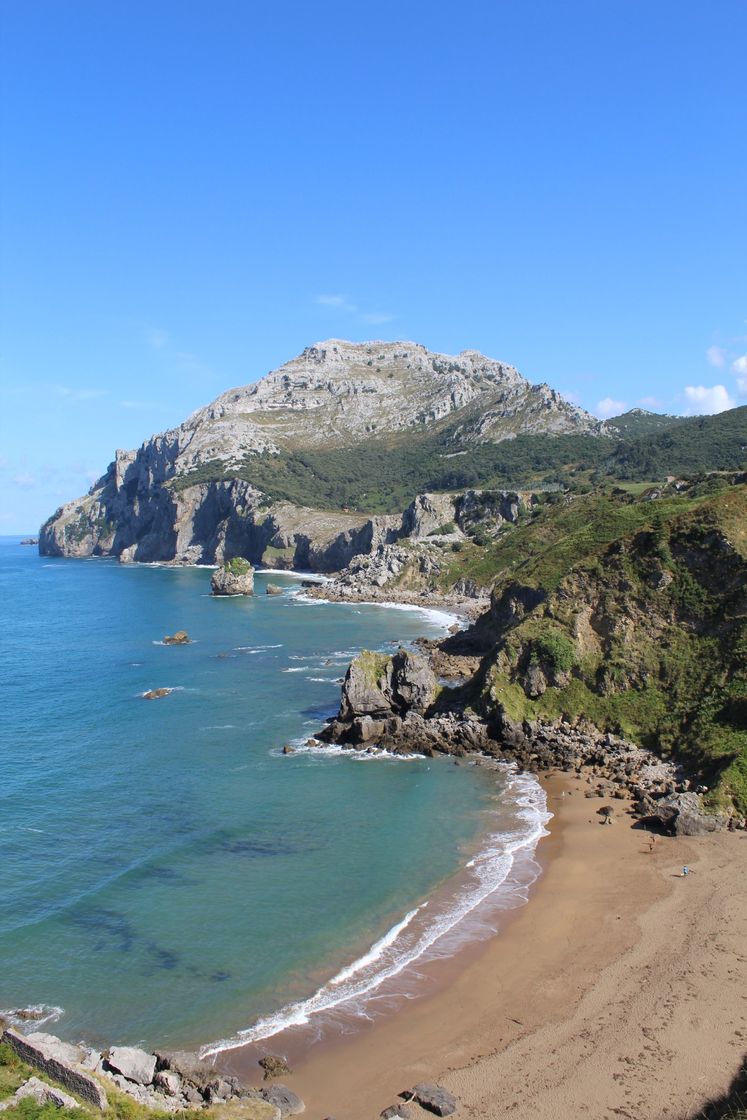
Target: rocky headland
[212, 488]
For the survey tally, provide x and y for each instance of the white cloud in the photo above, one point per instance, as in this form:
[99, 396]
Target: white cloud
[157, 337]
[716, 356]
[338, 301]
[24, 479]
[347, 307]
[704, 400]
[78, 394]
[739, 365]
[610, 407]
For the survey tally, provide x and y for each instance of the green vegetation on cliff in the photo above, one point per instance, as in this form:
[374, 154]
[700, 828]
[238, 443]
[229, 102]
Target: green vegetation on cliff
[383, 475]
[632, 614]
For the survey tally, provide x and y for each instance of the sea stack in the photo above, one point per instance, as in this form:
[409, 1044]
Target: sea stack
[235, 577]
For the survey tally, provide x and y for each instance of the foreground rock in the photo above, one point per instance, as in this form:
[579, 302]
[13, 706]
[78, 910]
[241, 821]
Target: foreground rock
[39, 1091]
[45, 1055]
[236, 577]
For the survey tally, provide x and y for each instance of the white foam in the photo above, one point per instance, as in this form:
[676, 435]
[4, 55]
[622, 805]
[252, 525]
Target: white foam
[46, 1013]
[318, 749]
[257, 649]
[442, 618]
[439, 931]
[376, 949]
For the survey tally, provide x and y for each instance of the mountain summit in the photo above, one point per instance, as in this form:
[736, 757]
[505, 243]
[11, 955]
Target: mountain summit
[337, 393]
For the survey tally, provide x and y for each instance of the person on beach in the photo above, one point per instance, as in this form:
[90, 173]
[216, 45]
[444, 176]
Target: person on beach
[685, 872]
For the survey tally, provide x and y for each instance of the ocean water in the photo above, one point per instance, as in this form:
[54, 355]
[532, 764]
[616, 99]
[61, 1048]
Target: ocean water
[168, 875]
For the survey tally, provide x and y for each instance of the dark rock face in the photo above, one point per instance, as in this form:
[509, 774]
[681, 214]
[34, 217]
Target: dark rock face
[678, 813]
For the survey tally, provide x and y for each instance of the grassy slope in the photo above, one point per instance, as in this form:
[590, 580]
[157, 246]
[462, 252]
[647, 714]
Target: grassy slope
[383, 475]
[651, 597]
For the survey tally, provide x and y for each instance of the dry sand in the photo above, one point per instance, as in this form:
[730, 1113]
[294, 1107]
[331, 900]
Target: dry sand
[619, 990]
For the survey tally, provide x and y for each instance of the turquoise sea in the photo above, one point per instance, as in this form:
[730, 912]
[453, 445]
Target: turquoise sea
[168, 875]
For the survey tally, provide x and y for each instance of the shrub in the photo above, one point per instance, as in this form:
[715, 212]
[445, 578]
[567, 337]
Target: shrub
[238, 566]
[554, 649]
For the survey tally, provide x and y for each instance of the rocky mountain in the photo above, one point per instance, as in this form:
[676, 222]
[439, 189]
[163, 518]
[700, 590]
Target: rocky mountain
[203, 491]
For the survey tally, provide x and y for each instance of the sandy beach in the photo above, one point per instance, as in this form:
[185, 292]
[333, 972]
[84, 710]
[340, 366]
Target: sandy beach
[619, 990]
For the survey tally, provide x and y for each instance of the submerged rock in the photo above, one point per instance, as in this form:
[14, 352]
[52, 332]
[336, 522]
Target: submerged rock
[157, 693]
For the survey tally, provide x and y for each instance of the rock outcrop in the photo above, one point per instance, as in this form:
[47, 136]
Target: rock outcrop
[59, 1061]
[236, 577]
[37, 1090]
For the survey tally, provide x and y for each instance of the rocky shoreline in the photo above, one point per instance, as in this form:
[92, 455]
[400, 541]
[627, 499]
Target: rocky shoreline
[396, 702]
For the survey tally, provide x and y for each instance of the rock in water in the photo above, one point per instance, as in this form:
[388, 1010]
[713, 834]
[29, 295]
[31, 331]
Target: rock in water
[236, 577]
[180, 638]
[273, 589]
[157, 693]
[133, 1063]
[434, 1098]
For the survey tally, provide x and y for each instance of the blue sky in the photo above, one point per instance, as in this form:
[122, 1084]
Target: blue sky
[191, 192]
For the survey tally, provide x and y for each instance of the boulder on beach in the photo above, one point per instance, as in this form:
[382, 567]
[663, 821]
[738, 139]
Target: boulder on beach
[284, 1099]
[274, 1066]
[236, 577]
[434, 1098]
[180, 638]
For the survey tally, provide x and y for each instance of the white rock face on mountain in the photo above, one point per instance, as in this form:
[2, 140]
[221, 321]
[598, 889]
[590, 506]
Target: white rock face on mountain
[334, 395]
[338, 393]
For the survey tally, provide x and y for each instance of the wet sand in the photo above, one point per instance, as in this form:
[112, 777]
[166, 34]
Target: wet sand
[619, 990]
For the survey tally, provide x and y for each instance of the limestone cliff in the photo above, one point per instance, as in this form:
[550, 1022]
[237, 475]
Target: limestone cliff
[202, 492]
